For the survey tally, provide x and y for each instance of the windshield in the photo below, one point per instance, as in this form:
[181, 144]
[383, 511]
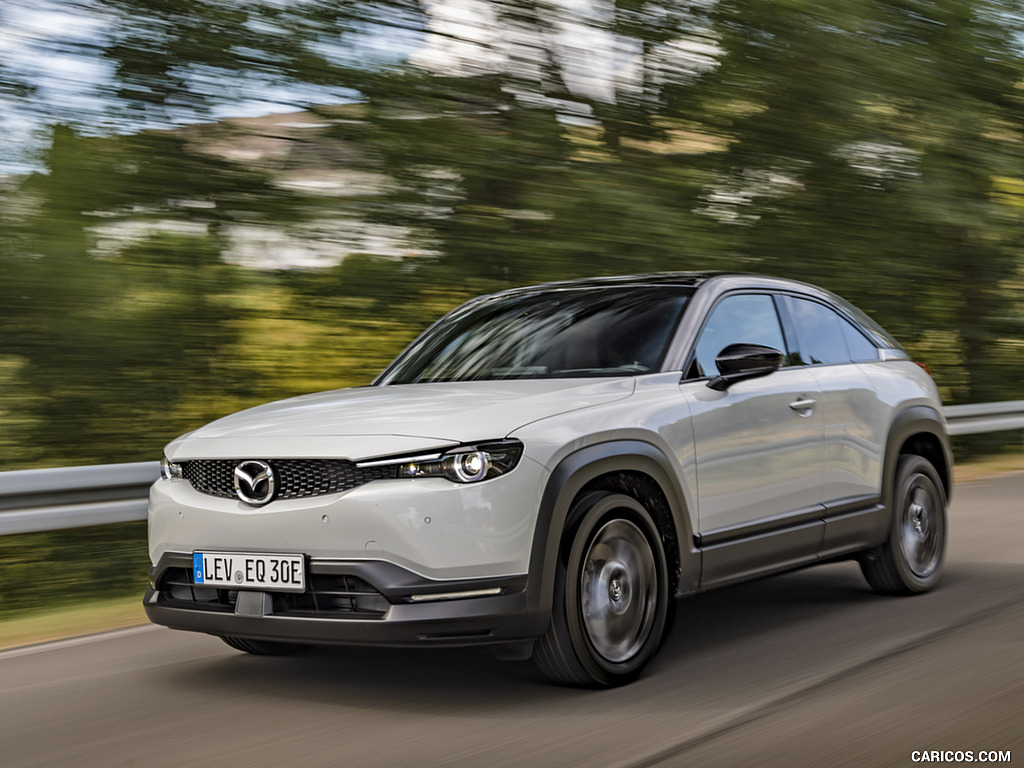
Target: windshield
[594, 331]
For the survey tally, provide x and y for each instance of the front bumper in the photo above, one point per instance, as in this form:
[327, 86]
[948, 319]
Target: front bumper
[348, 603]
[442, 530]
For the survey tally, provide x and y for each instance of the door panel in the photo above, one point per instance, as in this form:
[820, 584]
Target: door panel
[759, 449]
[855, 422]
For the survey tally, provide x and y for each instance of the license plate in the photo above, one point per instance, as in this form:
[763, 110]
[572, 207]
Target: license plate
[239, 570]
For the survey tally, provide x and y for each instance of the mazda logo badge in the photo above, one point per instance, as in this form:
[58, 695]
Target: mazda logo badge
[255, 482]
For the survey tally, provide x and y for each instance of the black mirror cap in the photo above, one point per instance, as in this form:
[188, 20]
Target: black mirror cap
[738, 362]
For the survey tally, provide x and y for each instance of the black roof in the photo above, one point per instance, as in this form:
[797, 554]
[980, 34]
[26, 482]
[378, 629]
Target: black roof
[687, 279]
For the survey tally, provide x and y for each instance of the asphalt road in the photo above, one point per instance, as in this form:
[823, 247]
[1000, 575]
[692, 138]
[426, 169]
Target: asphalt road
[807, 669]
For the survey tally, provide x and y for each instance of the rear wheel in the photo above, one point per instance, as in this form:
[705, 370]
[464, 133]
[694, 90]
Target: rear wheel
[611, 601]
[261, 647]
[911, 560]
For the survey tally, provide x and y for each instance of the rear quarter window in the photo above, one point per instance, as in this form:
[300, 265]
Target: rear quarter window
[861, 349]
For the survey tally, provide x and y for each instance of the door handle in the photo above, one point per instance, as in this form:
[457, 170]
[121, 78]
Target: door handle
[804, 406]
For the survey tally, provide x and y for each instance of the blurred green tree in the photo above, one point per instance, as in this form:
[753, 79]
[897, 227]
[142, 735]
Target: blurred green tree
[117, 324]
[516, 167]
[114, 301]
[865, 145]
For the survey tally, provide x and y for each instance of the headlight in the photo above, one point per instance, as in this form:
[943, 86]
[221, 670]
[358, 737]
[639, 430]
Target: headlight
[169, 470]
[465, 464]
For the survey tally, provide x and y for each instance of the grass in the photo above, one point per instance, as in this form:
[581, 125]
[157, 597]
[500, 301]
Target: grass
[59, 623]
[986, 466]
[104, 615]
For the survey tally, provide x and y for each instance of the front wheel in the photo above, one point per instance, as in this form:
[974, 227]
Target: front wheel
[911, 560]
[611, 602]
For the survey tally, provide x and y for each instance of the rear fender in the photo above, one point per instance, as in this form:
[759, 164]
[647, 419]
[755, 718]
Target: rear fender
[917, 421]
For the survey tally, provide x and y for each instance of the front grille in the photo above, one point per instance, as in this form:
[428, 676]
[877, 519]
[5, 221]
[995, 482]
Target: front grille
[326, 597]
[296, 478]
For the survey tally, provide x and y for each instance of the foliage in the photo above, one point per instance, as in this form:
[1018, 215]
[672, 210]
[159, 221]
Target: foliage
[886, 164]
[47, 570]
[111, 331]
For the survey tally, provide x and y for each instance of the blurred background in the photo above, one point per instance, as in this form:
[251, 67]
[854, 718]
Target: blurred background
[208, 204]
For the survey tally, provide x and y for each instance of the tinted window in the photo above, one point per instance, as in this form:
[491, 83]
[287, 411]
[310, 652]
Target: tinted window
[747, 318]
[867, 324]
[861, 350]
[620, 331]
[821, 334]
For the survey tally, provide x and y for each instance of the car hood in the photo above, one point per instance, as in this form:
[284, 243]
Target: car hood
[369, 422]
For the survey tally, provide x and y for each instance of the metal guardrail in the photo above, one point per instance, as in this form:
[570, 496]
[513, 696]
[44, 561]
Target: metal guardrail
[36, 500]
[985, 417]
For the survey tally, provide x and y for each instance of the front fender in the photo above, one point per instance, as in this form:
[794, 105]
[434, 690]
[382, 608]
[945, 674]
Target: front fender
[565, 483]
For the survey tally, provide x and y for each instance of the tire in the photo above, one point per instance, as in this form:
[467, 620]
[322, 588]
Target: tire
[611, 602]
[261, 647]
[911, 561]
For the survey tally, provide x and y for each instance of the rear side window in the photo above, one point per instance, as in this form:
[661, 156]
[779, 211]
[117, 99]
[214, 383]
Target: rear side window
[827, 338]
[820, 330]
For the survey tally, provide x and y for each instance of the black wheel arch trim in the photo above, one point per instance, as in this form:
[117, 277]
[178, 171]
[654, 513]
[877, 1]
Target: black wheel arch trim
[567, 480]
[912, 421]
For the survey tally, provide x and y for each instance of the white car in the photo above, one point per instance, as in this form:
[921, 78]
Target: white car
[545, 470]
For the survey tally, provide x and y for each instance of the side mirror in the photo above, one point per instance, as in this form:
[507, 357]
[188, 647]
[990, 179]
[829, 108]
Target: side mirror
[739, 362]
